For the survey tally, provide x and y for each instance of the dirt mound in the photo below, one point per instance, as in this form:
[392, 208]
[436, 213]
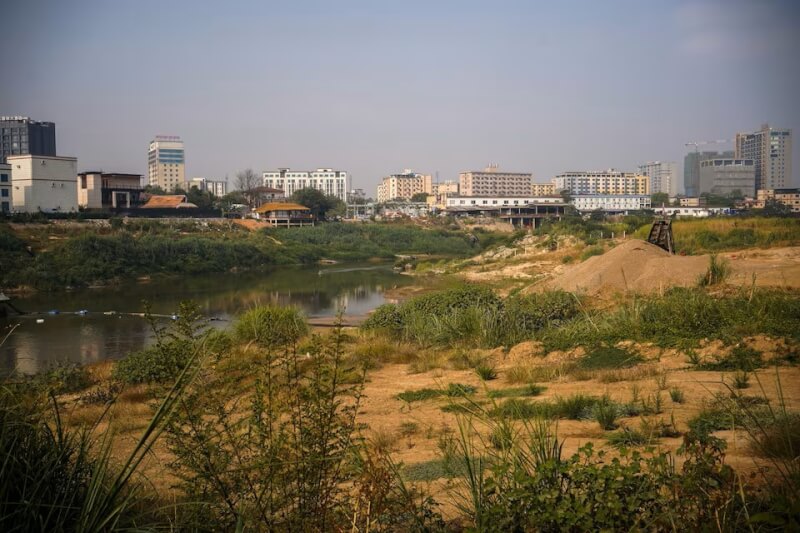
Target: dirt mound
[636, 266]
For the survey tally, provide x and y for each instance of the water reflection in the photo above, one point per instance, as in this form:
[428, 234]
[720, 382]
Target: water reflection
[97, 336]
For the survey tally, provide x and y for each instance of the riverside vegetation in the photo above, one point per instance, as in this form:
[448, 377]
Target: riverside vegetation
[55, 256]
[266, 426]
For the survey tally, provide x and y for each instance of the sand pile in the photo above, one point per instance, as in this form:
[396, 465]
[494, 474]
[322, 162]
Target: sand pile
[636, 266]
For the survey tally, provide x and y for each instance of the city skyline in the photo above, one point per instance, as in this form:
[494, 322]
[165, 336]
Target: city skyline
[372, 88]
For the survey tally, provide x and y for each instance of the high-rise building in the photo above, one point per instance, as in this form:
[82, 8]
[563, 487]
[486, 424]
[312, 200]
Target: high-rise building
[724, 177]
[45, 184]
[662, 176]
[493, 182]
[543, 189]
[771, 152]
[691, 169]
[166, 163]
[602, 182]
[326, 180]
[22, 136]
[403, 186]
[218, 188]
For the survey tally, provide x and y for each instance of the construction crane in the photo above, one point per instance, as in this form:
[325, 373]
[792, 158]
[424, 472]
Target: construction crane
[703, 143]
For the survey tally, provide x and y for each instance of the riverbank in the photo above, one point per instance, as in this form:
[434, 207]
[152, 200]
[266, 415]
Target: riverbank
[59, 256]
[697, 367]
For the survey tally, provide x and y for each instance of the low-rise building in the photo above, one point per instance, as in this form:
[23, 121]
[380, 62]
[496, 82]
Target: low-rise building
[46, 184]
[285, 214]
[168, 201]
[494, 182]
[109, 190]
[356, 196]
[692, 212]
[602, 182]
[696, 201]
[441, 191]
[612, 203]
[6, 190]
[404, 186]
[788, 197]
[543, 189]
[498, 201]
[724, 177]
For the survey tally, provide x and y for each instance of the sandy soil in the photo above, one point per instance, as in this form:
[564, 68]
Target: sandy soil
[630, 266]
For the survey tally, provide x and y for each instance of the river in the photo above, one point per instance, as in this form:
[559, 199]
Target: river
[320, 291]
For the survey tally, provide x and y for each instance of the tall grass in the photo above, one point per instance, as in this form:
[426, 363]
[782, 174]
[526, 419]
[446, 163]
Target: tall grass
[52, 479]
[718, 234]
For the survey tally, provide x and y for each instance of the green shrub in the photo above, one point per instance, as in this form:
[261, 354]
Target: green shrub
[486, 372]
[65, 378]
[741, 358]
[591, 252]
[605, 357]
[161, 363]
[718, 271]
[386, 317]
[270, 326]
[512, 392]
[677, 395]
[628, 437]
[576, 406]
[605, 412]
[452, 390]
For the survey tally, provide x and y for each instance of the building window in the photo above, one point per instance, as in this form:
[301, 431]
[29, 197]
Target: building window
[4, 193]
[3, 178]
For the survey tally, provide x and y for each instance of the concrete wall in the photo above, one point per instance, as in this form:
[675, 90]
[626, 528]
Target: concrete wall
[43, 183]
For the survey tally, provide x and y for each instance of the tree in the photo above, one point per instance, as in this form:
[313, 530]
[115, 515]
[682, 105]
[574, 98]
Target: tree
[420, 197]
[202, 199]
[247, 180]
[776, 208]
[658, 199]
[566, 196]
[319, 203]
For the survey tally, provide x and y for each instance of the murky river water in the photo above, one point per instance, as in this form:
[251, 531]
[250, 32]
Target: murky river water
[94, 336]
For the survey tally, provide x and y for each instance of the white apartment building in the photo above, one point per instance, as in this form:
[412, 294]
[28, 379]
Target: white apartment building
[44, 183]
[498, 201]
[216, 187]
[493, 182]
[166, 163]
[6, 194]
[403, 186]
[326, 180]
[611, 202]
[692, 212]
[663, 177]
[602, 182]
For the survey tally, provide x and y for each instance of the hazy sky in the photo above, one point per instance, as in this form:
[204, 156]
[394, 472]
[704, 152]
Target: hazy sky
[376, 86]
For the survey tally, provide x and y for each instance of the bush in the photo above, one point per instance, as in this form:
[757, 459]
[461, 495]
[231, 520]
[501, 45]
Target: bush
[591, 252]
[605, 357]
[270, 326]
[605, 412]
[176, 345]
[486, 372]
[65, 378]
[718, 271]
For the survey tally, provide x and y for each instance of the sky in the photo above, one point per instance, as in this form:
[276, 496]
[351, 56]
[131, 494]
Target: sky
[374, 87]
